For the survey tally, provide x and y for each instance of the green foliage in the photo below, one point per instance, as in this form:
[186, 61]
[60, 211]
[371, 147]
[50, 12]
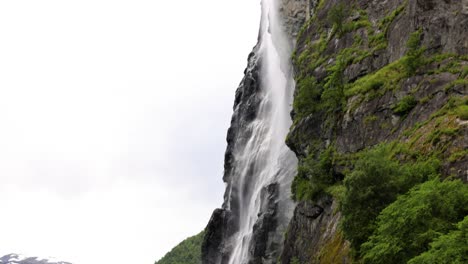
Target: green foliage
[462, 112]
[407, 227]
[378, 41]
[314, 176]
[405, 105]
[414, 58]
[187, 252]
[451, 248]
[333, 98]
[362, 21]
[385, 79]
[375, 182]
[388, 20]
[336, 16]
[295, 261]
[308, 96]
[370, 119]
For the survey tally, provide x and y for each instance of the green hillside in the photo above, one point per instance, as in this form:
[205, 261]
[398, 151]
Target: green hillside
[187, 252]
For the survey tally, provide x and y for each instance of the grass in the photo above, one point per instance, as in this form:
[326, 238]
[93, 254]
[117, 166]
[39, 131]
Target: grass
[405, 105]
[385, 79]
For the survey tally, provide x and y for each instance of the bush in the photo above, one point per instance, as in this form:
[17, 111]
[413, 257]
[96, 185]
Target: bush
[447, 249]
[462, 112]
[336, 16]
[407, 227]
[406, 104]
[375, 182]
[314, 176]
[414, 59]
[307, 98]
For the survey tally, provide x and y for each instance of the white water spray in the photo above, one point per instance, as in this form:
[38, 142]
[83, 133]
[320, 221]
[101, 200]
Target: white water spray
[266, 159]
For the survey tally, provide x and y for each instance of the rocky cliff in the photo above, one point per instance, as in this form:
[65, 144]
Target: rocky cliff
[370, 74]
[360, 84]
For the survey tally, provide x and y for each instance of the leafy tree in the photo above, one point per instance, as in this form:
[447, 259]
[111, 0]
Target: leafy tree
[407, 227]
[451, 248]
[187, 252]
[375, 182]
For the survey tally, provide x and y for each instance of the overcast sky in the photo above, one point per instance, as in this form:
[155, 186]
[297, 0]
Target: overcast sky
[113, 117]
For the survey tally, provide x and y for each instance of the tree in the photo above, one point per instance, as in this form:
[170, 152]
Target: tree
[407, 227]
[451, 248]
[375, 182]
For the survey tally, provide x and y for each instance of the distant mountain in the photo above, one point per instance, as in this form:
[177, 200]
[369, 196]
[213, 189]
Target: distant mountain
[19, 259]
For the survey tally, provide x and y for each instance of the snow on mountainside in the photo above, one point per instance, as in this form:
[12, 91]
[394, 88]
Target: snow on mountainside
[19, 259]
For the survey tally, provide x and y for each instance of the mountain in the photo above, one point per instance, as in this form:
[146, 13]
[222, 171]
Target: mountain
[19, 259]
[187, 252]
[378, 128]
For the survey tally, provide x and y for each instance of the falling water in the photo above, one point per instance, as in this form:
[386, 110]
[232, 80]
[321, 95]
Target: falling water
[266, 159]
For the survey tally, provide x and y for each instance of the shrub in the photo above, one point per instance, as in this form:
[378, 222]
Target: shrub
[308, 96]
[336, 16]
[333, 98]
[462, 112]
[447, 249]
[314, 176]
[407, 227]
[414, 59]
[404, 106]
[375, 182]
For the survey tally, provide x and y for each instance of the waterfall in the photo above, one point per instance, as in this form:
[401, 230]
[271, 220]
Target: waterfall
[264, 166]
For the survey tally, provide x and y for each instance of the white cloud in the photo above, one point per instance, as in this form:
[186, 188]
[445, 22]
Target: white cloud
[113, 117]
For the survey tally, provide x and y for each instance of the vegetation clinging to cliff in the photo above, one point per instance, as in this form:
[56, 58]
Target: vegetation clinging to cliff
[376, 181]
[407, 227]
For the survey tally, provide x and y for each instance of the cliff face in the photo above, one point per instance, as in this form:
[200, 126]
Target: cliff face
[364, 45]
[368, 73]
[258, 167]
[223, 224]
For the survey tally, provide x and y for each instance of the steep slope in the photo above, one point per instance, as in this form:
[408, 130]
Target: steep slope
[187, 252]
[259, 167]
[391, 74]
[380, 127]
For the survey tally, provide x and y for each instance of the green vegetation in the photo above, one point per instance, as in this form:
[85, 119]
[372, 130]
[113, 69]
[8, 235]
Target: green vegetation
[394, 207]
[376, 181]
[447, 249]
[405, 105]
[187, 252]
[414, 59]
[407, 227]
[314, 176]
[295, 261]
[386, 79]
[336, 16]
[462, 112]
[378, 41]
[308, 91]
